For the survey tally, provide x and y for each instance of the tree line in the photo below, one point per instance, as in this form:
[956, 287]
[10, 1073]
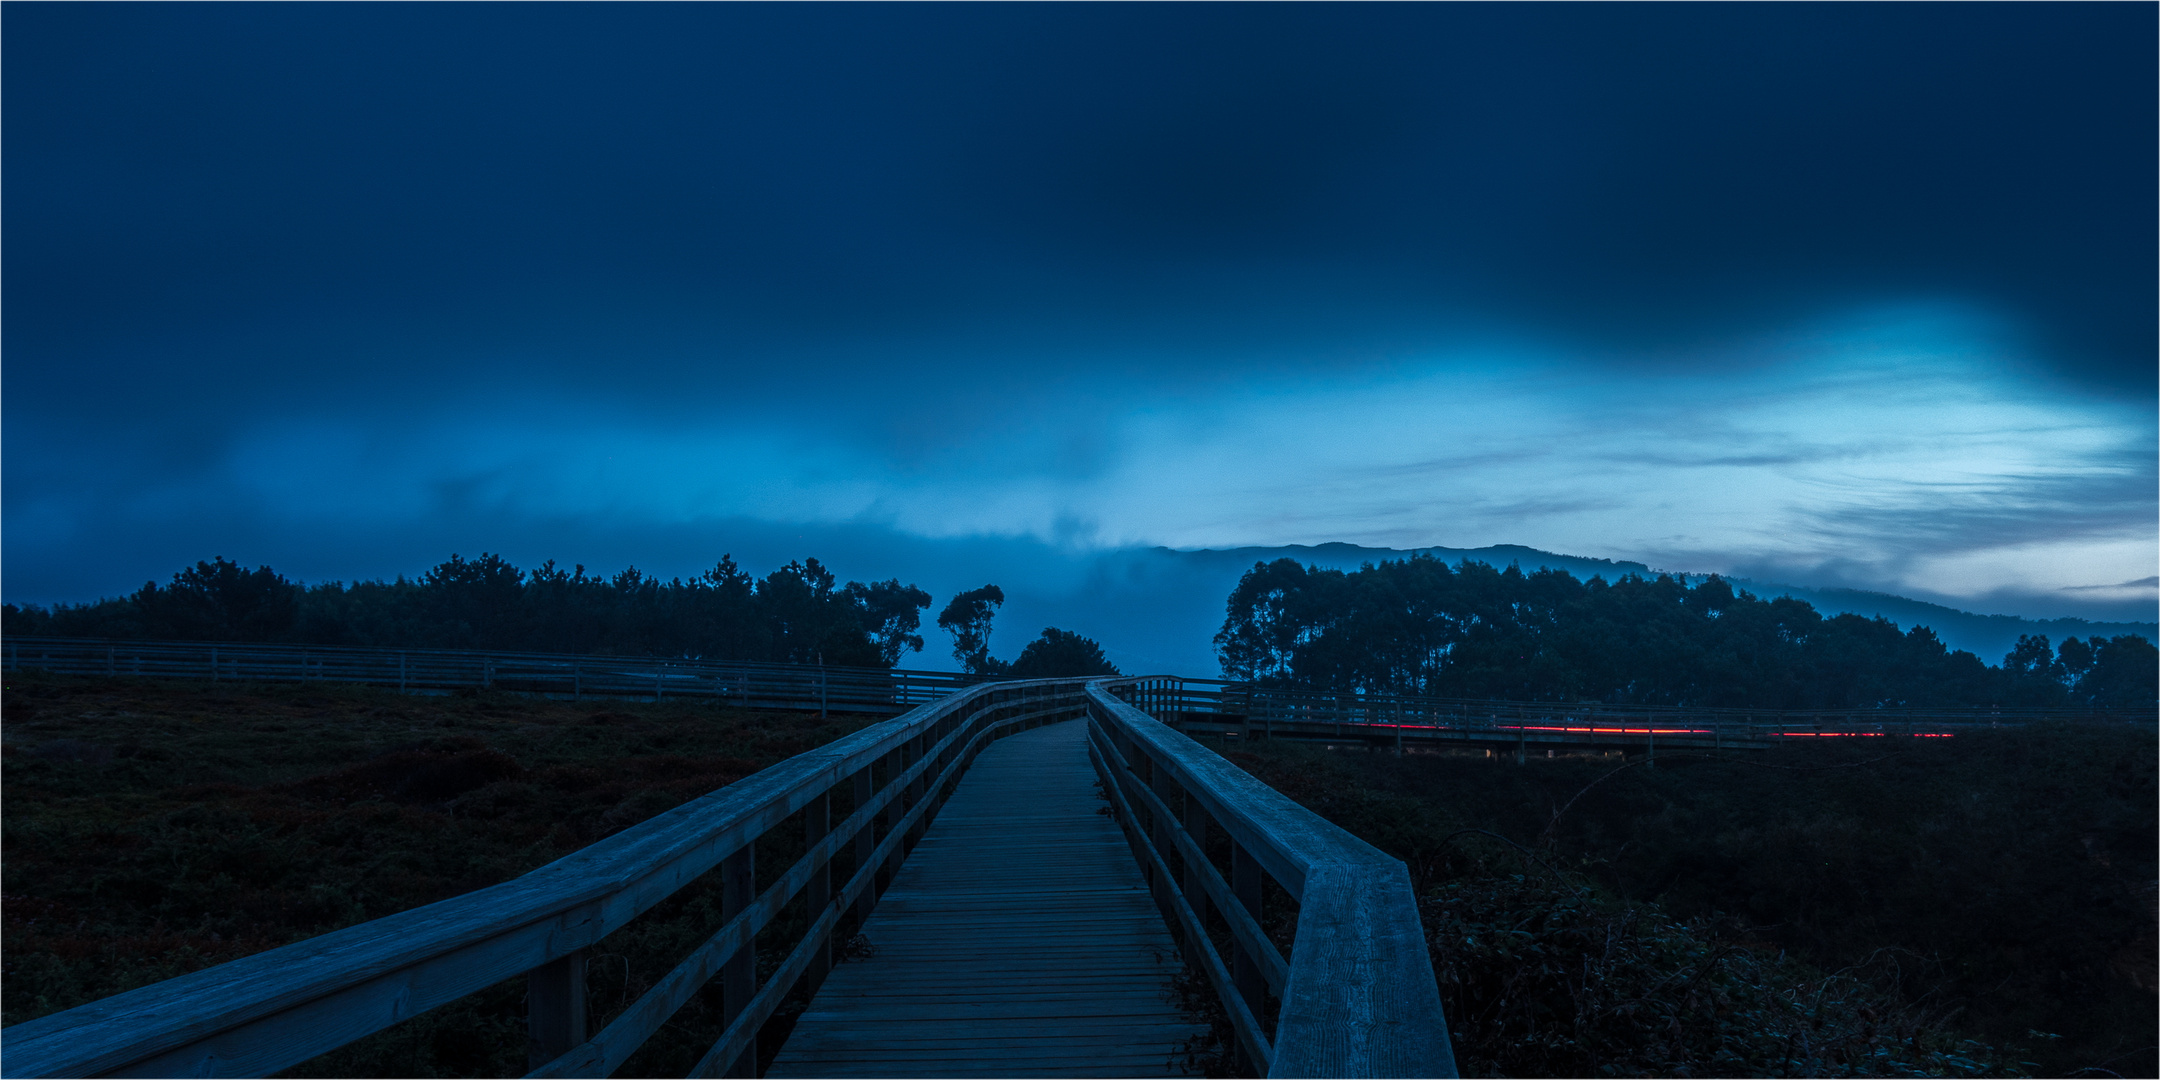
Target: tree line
[798, 614]
[1419, 626]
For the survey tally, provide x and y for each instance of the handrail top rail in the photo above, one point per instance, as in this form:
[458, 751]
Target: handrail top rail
[1359, 998]
[1291, 841]
[152, 1018]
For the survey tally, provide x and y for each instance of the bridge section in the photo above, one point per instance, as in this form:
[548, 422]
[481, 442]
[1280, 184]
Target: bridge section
[1019, 939]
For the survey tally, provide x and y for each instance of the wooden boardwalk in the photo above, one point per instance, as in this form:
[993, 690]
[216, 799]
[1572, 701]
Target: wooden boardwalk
[1018, 940]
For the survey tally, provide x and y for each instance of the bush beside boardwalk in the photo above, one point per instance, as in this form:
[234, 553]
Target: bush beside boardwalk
[1970, 906]
[158, 828]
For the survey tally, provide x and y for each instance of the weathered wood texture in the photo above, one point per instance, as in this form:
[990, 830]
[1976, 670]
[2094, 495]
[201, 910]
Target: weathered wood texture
[1017, 940]
[1358, 997]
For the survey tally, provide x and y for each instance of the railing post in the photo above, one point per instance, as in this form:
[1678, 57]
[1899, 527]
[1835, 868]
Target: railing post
[738, 974]
[554, 1009]
[817, 822]
[895, 764]
[1244, 968]
[1159, 832]
[1196, 894]
[918, 790]
[865, 846]
[213, 664]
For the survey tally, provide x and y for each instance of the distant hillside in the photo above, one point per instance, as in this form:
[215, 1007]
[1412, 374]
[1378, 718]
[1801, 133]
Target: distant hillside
[1157, 609]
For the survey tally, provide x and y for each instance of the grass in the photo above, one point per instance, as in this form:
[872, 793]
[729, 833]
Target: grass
[157, 828]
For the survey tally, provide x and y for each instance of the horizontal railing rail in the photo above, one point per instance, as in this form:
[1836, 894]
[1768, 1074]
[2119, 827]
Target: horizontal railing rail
[847, 689]
[1355, 996]
[267, 1012]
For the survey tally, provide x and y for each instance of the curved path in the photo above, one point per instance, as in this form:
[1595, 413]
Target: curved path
[1018, 940]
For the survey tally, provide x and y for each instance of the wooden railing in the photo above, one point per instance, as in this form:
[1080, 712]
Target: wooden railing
[1263, 707]
[765, 686]
[266, 1012]
[1356, 996]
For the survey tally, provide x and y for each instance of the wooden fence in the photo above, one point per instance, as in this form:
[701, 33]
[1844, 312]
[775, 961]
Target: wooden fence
[765, 686]
[1293, 713]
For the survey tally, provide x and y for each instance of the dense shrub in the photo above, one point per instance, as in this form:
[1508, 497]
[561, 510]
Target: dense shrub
[1997, 887]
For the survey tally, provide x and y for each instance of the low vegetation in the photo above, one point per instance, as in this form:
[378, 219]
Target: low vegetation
[1982, 905]
[153, 829]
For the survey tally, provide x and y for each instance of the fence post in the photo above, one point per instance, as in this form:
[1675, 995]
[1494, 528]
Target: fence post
[817, 821]
[738, 974]
[1196, 895]
[821, 691]
[401, 673]
[213, 663]
[896, 763]
[865, 846]
[577, 682]
[1244, 968]
[657, 688]
[554, 1008]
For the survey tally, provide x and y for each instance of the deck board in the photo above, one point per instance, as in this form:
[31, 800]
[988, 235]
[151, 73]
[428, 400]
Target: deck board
[1017, 940]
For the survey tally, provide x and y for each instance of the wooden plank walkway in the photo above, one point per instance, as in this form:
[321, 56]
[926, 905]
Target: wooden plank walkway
[1017, 940]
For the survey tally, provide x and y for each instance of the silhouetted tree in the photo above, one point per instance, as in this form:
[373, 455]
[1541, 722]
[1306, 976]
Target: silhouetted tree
[968, 617]
[1419, 626]
[1061, 654]
[217, 600]
[2125, 672]
[891, 612]
[796, 614]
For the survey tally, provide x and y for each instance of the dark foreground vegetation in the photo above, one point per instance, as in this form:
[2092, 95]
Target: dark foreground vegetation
[1420, 626]
[153, 829]
[1981, 905]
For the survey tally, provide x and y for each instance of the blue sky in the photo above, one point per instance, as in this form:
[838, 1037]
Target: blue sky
[1835, 295]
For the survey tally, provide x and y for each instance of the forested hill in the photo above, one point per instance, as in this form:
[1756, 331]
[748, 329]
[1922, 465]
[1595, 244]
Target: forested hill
[1420, 626]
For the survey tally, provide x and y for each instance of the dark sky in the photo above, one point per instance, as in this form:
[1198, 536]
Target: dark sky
[1862, 292]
